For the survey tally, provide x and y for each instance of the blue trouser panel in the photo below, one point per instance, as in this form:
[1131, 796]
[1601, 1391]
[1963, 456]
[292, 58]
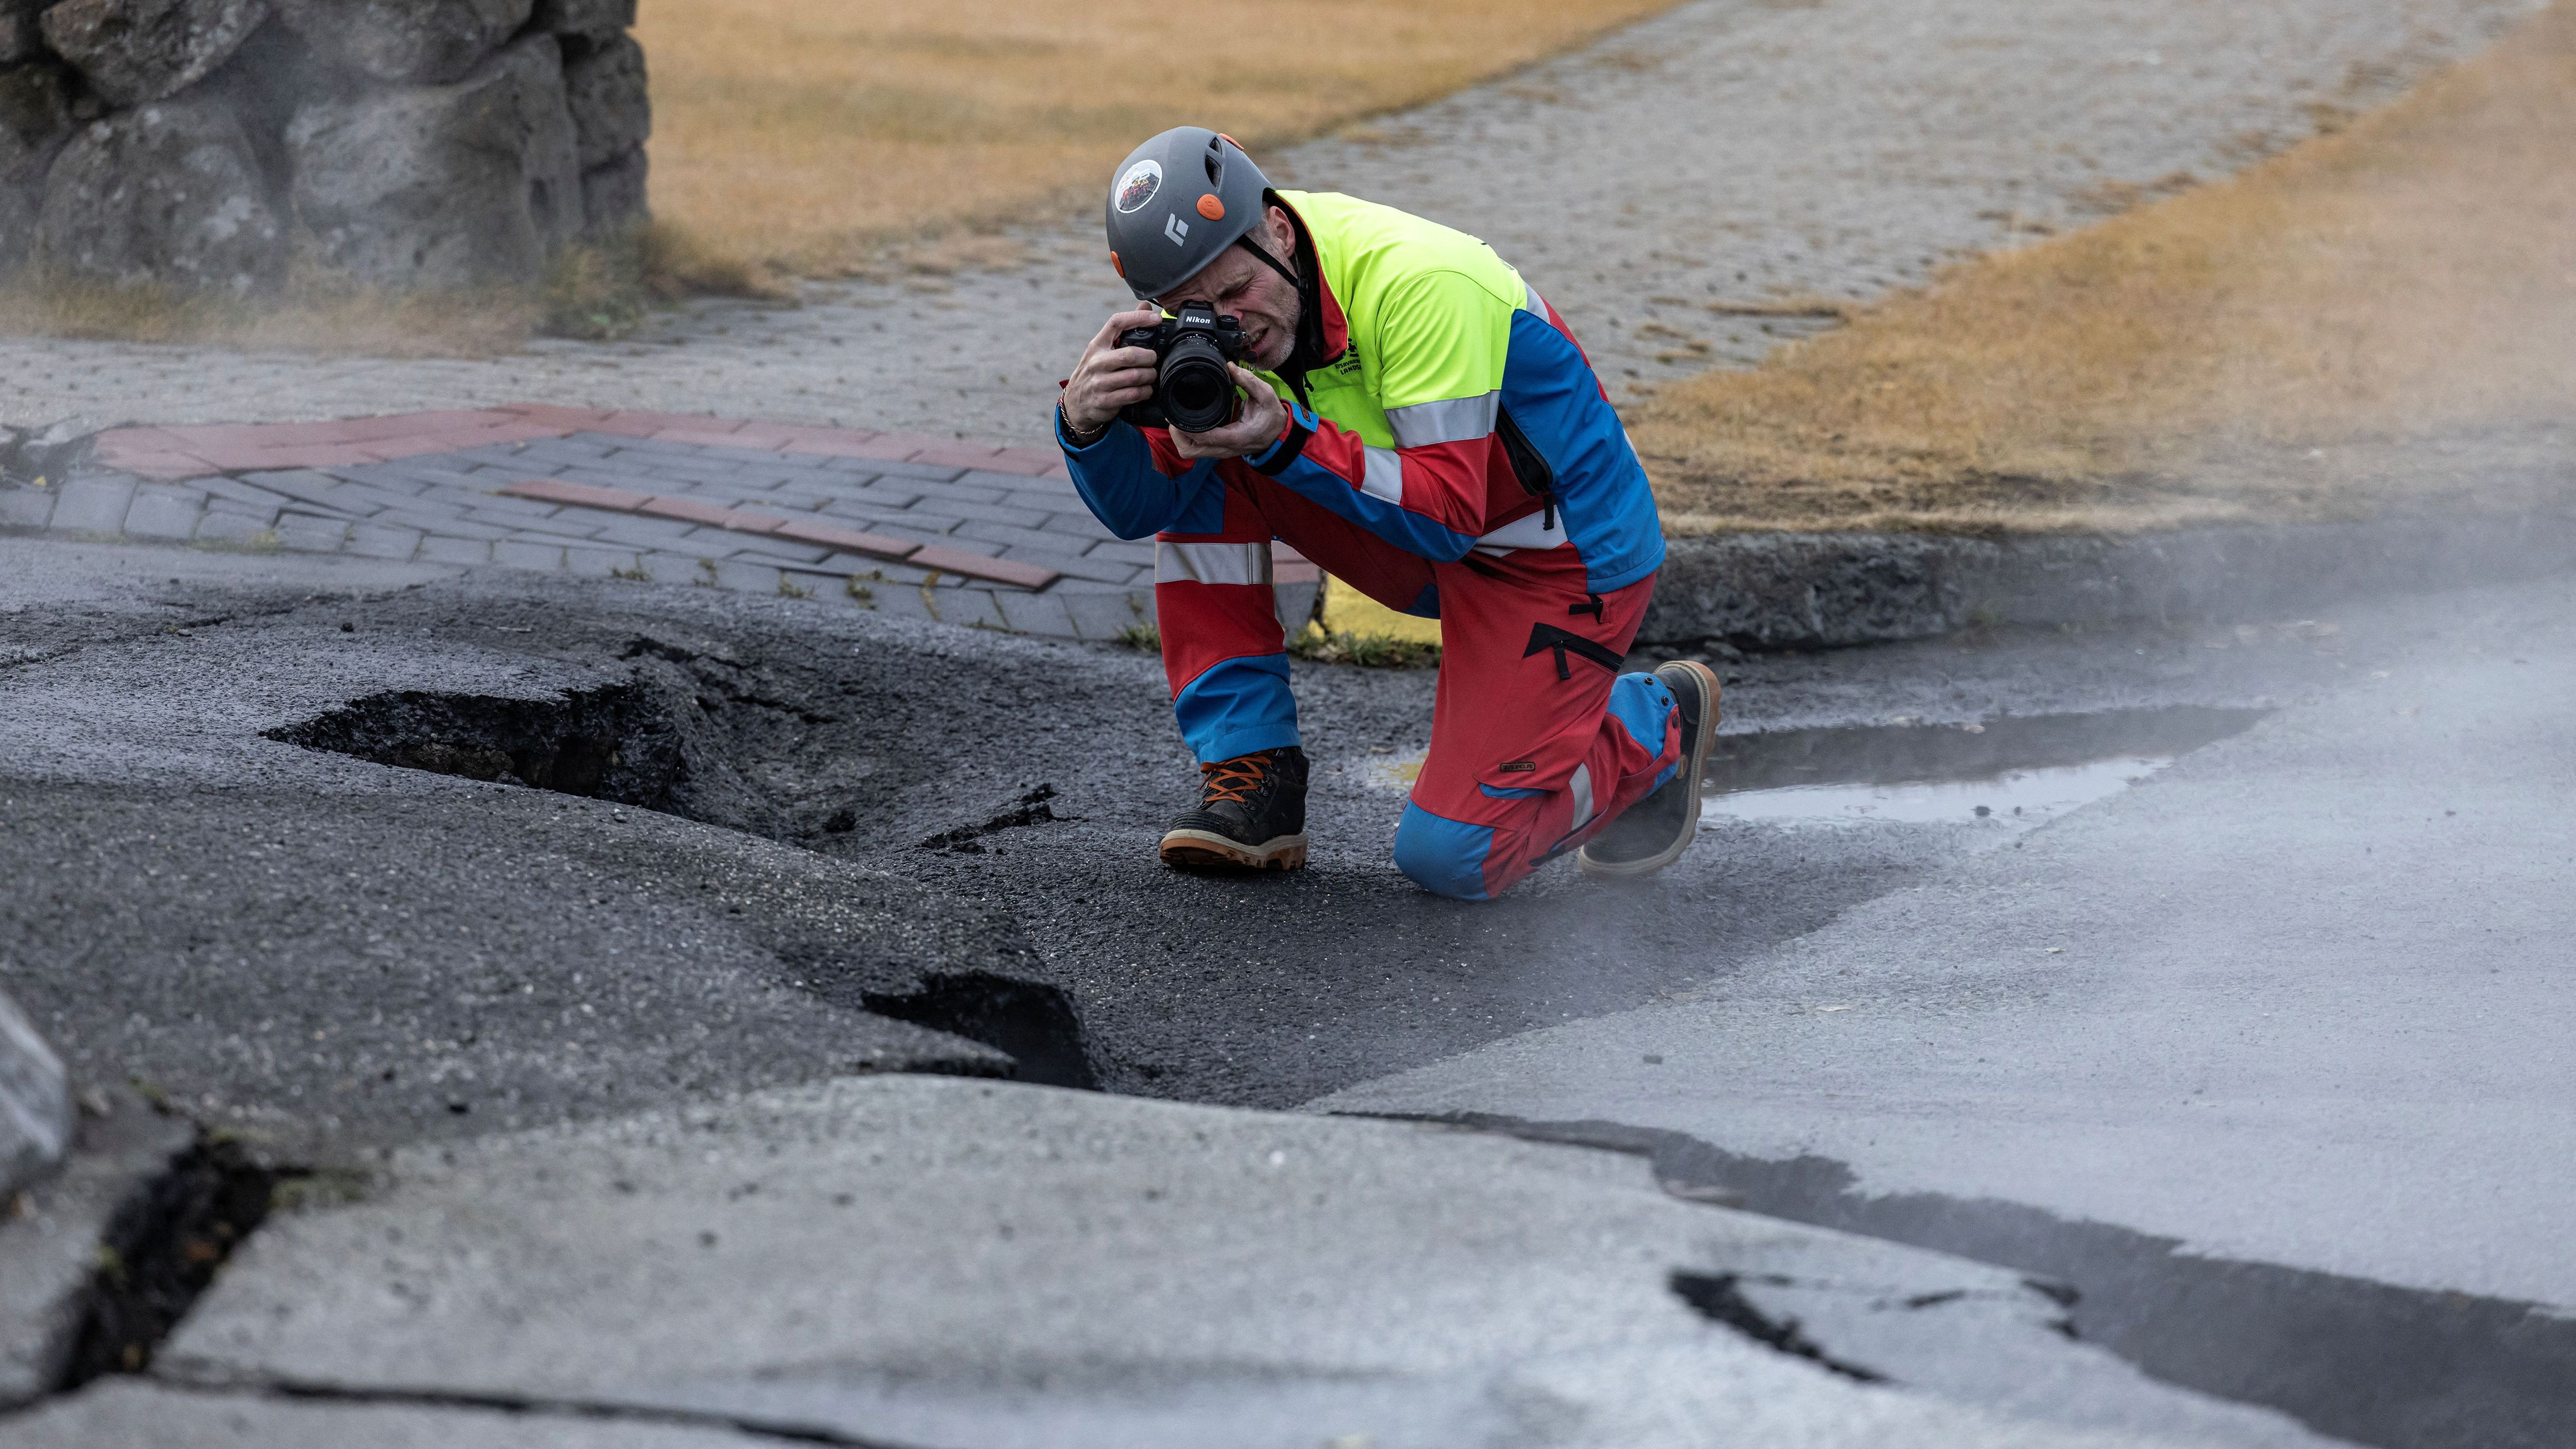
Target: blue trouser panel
[1237, 706]
[1444, 857]
[1449, 857]
[1643, 706]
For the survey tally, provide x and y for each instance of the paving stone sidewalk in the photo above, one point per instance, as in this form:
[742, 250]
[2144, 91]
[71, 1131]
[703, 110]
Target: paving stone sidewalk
[1725, 151]
[973, 534]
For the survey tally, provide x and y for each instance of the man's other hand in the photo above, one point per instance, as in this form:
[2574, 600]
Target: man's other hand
[1109, 377]
[1257, 424]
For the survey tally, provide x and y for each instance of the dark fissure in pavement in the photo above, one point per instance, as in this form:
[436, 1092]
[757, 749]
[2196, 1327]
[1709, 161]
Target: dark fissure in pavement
[687, 732]
[609, 743]
[527, 1406]
[162, 1249]
[1032, 809]
[1717, 1298]
[2369, 1362]
[645, 743]
[1031, 1022]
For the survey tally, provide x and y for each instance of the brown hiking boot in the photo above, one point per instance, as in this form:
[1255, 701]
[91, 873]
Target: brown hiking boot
[1251, 815]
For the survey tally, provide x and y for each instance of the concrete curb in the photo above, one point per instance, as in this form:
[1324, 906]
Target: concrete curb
[1821, 590]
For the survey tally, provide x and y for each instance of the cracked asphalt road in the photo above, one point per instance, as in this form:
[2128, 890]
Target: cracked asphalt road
[618, 1022]
[292, 937]
[346, 961]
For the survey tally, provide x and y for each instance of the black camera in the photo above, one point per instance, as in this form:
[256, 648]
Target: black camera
[1193, 391]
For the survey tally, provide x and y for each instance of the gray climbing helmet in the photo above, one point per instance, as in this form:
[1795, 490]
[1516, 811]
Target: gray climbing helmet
[1175, 203]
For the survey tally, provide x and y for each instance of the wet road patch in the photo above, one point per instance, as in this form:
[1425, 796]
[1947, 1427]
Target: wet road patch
[2018, 771]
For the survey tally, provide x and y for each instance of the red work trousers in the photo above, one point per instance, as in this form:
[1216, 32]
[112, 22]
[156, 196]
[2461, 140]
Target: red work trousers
[1537, 739]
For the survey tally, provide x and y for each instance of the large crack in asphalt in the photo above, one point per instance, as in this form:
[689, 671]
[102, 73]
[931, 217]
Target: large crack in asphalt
[678, 746]
[776, 738]
[2369, 1362]
[1719, 1298]
[528, 1406]
[605, 743]
[1029, 1021]
[1015, 777]
[163, 1248]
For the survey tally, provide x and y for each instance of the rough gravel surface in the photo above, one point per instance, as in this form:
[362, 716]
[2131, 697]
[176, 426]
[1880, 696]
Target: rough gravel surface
[1729, 150]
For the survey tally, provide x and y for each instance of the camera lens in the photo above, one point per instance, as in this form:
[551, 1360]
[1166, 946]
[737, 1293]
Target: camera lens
[1197, 390]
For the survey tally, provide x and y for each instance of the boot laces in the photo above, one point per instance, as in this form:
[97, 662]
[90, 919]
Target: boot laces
[1233, 779]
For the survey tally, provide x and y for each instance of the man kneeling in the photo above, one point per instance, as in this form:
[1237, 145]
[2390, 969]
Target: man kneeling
[1448, 453]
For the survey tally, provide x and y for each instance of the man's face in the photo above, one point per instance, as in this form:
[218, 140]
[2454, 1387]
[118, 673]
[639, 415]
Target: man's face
[1236, 282]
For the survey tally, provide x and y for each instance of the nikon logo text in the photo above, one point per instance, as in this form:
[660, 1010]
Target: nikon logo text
[1177, 229]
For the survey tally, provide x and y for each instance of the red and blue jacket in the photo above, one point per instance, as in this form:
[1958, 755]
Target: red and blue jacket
[1450, 411]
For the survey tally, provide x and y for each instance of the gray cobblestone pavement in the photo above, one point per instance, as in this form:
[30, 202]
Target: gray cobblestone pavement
[935, 540]
[1731, 149]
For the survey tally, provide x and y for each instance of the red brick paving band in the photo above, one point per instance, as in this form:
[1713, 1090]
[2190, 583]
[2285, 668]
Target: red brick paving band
[745, 520]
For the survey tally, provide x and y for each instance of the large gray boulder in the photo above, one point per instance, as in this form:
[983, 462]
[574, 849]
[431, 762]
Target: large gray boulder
[21, 37]
[134, 51]
[596, 19]
[612, 196]
[604, 85]
[35, 122]
[410, 42]
[18, 208]
[35, 1102]
[168, 193]
[444, 186]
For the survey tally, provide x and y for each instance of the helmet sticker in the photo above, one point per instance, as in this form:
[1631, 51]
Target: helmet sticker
[1139, 185]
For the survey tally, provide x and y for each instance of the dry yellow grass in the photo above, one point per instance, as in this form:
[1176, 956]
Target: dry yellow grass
[313, 313]
[815, 136]
[597, 289]
[1348, 611]
[2381, 316]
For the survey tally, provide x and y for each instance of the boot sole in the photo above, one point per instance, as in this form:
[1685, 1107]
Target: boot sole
[1205, 850]
[1695, 753]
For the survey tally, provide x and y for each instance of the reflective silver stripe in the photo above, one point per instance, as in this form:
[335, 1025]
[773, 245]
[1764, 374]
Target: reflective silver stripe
[1529, 532]
[1535, 304]
[1211, 563]
[1385, 476]
[1451, 420]
[1582, 788]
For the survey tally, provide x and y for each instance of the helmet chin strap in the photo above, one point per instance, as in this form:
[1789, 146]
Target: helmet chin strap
[1245, 241]
[1293, 370]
